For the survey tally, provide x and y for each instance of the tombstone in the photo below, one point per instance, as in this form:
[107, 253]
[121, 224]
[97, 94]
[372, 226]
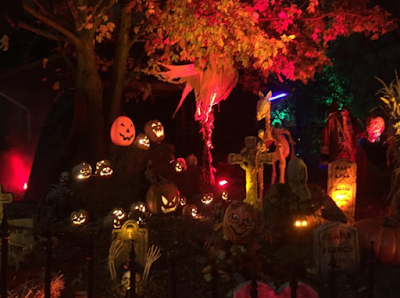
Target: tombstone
[5, 198]
[342, 186]
[338, 239]
[21, 240]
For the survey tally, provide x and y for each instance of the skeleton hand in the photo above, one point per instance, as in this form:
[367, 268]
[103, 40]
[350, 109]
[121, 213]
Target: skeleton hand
[153, 255]
[4, 43]
[115, 250]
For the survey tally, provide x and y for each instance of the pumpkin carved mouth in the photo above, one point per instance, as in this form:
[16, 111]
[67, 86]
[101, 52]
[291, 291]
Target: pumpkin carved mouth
[158, 132]
[241, 232]
[126, 138]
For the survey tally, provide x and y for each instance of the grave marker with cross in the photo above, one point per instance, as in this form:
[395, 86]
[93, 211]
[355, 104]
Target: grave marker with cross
[250, 159]
[5, 198]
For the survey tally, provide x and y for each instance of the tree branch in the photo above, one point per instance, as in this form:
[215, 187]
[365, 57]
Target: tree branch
[41, 32]
[74, 13]
[99, 10]
[52, 23]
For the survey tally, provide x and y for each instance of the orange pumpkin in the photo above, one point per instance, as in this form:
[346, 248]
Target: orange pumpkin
[386, 239]
[239, 222]
[162, 198]
[122, 131]
[155, 131]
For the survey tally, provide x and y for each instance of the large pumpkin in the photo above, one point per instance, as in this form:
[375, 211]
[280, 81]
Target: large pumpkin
[239, 222]
[122, 131]
[386, 239]
[155, 131]
[162, 198]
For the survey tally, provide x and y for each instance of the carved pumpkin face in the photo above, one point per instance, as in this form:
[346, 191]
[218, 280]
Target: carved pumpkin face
[182, 201]
[142, 142]
[155, 131]
[130, 230]
[191, 160]
[119, 213]
[239, 222]
[117, 224]
[162, 198]
[82, 171]
[179, 165]
[103, 169]
[79, 218]
[207, 198]
[122, 131]
[224, 195]
[138, 206]
[189, 211]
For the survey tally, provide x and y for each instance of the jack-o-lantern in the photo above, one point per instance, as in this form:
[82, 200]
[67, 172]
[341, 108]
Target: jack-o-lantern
[207, 198]
[155, 131]
[189, 211]
[82, 171]
[182, 201]
[79, 217]
[117, 223]
[162, 198]
[374, 127]
[138, 206]
[224, 195]
[142, 142]
[191, 160]
[130, 230]
[137, 216]
[239, 222]
[103, 169]
[122, 131]
[179, 165]
[119, 213]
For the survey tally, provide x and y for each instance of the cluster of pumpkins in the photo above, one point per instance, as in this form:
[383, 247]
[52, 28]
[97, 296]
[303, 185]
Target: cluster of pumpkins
[123, 133]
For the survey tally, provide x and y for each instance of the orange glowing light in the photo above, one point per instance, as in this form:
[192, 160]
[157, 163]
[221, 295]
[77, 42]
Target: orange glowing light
[340, 200]
[25, 187]
[297, 223]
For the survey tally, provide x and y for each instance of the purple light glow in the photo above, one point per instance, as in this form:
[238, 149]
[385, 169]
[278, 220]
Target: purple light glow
[278, 96]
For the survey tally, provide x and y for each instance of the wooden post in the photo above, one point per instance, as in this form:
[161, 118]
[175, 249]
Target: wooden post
[131, 292]
[5, 235]
[371, 272]
[47, 273]
[90, 268]
[332, 278]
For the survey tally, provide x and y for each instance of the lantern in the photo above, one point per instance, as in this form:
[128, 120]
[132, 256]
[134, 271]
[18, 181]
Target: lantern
[142, 142]
[207, 198]
[154, 130]
[189, 211]
[122, 131]
[239, 222]
[191, 160]
[162, 198]
[103, 169]
[82, 171]
[130, 230]
[374, 127]
[182, 201]
[138, 206]
[224, 195]
[79, 218]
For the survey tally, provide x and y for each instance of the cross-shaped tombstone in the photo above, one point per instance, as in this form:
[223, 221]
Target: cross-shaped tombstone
[5, 198]
[250, 159]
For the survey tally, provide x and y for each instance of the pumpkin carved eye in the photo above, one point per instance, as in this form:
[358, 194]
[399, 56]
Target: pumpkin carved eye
[164, 200]
[234, 217]
[122, 124]
[247, 220]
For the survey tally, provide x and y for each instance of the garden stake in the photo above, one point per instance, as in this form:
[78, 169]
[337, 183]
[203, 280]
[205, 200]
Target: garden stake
[131, 292]
[371, 272]
[47, 273]
[90, 268]
[254, 286]
[5, 235]
[332, 278]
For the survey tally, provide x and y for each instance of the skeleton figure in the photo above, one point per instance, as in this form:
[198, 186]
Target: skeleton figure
[274, 136]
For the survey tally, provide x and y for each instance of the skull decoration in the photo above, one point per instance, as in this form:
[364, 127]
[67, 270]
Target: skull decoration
[191, 160]
[162, 198]
[207, 198]
[142, 142]
[224, 195]
[79, 218]
[189, 211]
[82, 171]
[126, 279]
[130, 230]
[239, 222]
[182, 201]
[122, 131]
[138, 206]
[64, 179]
[263, 105]
[154, 130]
[103, 169]
[180, 165]
[374, 126]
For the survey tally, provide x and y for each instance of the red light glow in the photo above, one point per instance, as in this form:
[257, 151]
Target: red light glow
[222, 182]
[25, 187]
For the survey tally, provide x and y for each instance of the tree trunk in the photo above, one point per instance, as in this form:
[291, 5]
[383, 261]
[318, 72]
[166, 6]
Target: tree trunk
[208, 170]
[124, 44]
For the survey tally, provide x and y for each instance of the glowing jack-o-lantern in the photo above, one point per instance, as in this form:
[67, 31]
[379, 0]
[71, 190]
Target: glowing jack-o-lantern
[182, 201]
[301, 223]
[142, 142]
[189, 211]
[122, 131]
[103, 169]
[162, 198]
[179, 165]
[130, 230]
[191, 160]
[207, 198]
[119, 213]
[374, 127]
[239, 222]
[79, 217]
[224, 195]
[138, 206]
[117, 223]
[155, 131]
[82, 171]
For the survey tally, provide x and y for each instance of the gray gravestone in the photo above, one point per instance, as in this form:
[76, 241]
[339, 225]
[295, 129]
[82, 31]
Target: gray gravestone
[338, 239]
